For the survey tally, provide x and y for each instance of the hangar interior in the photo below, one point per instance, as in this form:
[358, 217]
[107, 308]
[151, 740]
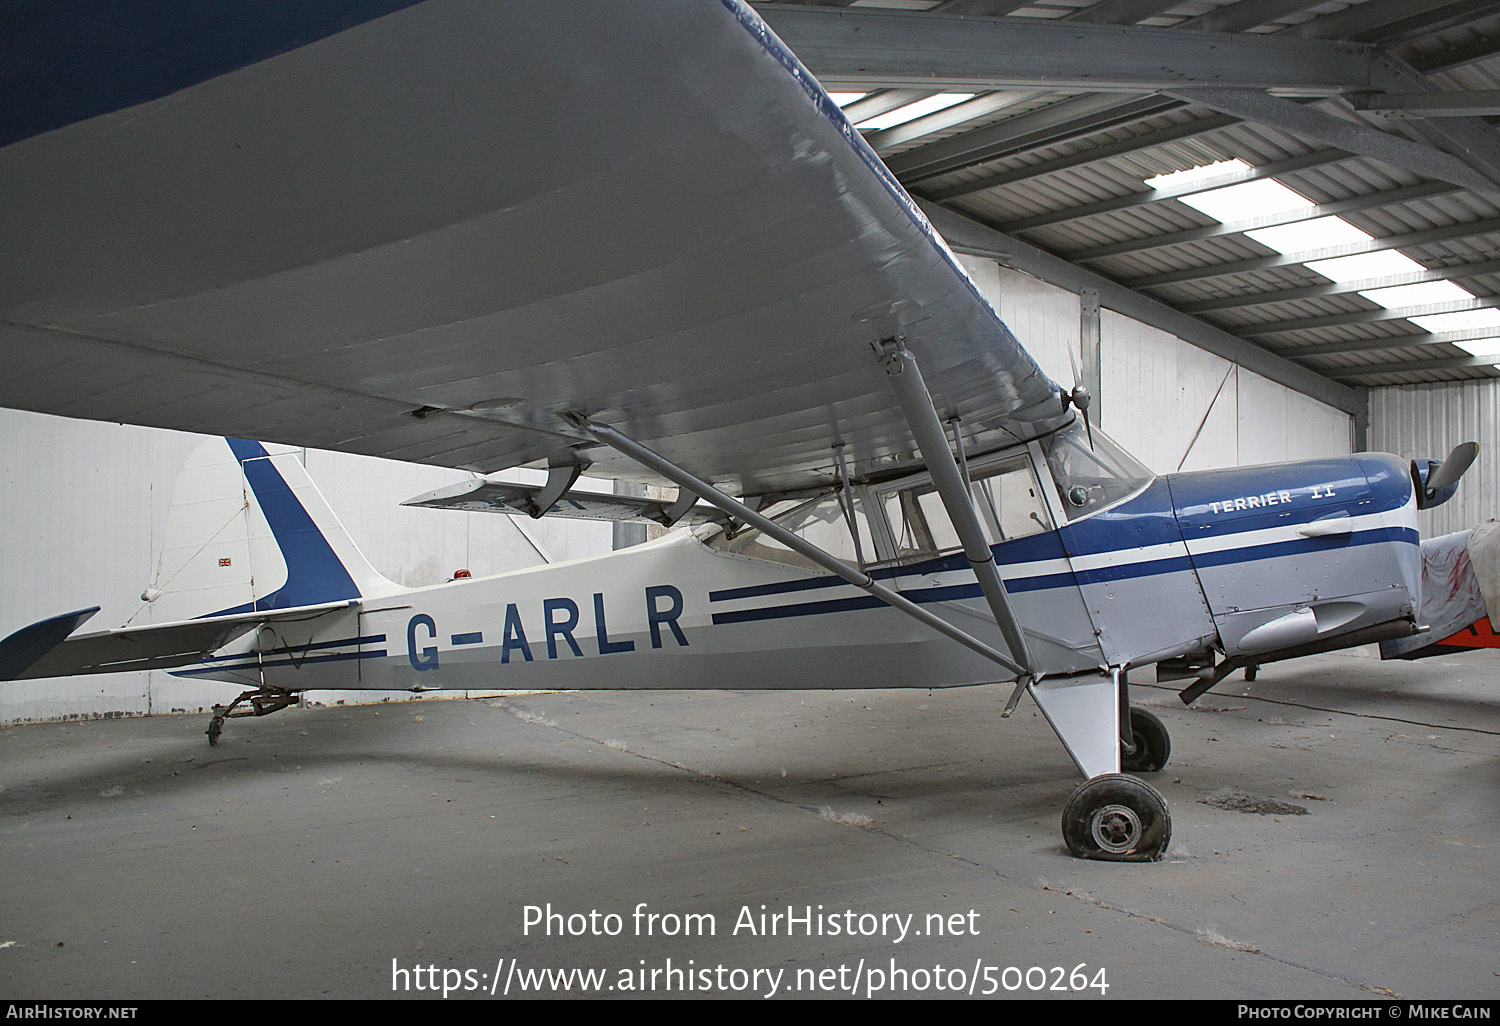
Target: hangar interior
[1266, 228]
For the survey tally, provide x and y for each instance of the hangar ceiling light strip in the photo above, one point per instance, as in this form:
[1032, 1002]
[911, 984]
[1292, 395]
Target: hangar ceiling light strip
[1267, 197]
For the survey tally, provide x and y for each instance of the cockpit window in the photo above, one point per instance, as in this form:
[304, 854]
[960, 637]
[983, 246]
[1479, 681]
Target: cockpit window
[1091, 477]
[820, 521]
[1005, 495]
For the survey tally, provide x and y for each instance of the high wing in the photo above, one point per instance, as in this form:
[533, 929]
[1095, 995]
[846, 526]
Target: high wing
[433, 234]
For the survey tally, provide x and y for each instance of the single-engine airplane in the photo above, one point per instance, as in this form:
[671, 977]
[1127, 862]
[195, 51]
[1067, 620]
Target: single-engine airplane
[638, 240]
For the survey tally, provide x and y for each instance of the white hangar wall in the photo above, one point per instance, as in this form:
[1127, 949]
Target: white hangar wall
[1158, 391]
[83, 506]
[1426, 422]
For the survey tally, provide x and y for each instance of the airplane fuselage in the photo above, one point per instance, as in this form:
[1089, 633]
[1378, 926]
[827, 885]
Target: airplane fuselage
[1247, 560]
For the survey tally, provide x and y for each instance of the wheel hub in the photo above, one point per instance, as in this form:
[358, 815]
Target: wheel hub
[1116, 828]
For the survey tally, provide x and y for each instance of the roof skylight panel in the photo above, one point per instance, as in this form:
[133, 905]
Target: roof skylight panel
[1302, 236]
[1384, 264]
[912, 111]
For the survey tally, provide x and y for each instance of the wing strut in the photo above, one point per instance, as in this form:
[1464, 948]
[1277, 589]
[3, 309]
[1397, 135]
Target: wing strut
[952, 487]
[660, 465]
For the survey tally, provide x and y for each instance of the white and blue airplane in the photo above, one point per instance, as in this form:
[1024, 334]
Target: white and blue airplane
[638, 240]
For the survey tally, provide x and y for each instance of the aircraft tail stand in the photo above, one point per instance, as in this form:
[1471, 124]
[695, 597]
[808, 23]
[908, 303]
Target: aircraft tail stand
[263, 700]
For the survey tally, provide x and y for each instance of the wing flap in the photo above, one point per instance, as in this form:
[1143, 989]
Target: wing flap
[518, 500]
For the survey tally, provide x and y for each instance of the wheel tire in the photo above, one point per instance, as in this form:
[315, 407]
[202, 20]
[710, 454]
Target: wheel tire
[1117, 818]
[1153, 745]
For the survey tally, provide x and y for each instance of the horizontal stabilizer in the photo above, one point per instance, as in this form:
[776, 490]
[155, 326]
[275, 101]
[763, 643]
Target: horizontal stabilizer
[45, 650]
[482, 496]
[25, 647]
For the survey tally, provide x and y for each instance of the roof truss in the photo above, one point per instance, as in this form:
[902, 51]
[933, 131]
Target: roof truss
[1358, 110]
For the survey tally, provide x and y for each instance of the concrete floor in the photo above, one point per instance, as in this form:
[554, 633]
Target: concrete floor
[313, 851]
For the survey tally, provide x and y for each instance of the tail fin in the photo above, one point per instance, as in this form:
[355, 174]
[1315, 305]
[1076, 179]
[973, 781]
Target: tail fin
[248, 530]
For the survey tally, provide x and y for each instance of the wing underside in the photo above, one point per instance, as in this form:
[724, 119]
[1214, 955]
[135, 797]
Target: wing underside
[431, 235]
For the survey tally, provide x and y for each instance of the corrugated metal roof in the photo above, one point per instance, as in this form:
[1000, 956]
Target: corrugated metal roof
[1072, 185]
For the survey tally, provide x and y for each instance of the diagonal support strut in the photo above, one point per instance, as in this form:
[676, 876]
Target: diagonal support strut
[661, 465]
[916, 406]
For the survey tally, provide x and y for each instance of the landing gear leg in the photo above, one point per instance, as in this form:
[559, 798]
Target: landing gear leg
[264, 700]
[1111, 816]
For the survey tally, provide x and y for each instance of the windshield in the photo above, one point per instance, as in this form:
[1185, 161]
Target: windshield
[1090, 478]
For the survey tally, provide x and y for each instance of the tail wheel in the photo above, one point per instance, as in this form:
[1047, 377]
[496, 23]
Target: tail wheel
[1117, 818]
[1150, 740]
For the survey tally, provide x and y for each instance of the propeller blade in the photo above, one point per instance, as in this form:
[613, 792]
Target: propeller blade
[1447, 473]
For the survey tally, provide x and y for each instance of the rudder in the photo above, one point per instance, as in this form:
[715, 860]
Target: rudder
[248, 530]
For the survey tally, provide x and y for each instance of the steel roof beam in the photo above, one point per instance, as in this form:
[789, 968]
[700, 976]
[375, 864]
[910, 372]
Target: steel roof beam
[1456, 56]
[1437, 104]
[1421, 238]
[1442, 363]
[1317, 158]
[948, 117]
[1119, 12]
[1357, 137]
[1470, 138]
[1398, 313]
[1115, 148]
[1247, 14]
[1385, 20]
[1081, 115]
[988, 8]
[905, 48]
[1341, 288]
[1376, 345]
[967, 235]
[1351, 205]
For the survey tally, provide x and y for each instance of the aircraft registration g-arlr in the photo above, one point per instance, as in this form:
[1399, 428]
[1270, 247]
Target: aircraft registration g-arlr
[637, 239]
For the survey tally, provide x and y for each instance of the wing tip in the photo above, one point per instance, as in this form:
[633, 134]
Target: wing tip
[27, 646]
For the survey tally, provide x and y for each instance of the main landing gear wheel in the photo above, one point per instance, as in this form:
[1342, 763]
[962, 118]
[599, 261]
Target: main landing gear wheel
[1117, 818]
[1150, 744]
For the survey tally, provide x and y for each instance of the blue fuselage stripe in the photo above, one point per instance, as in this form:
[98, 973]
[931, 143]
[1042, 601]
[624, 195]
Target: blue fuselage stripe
[1304, 546]
[1042, 582]
[337, 657]
[953, 593]
[368, 639]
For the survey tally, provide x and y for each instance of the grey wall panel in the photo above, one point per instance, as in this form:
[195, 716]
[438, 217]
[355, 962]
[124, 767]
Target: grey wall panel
[1425, 422]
